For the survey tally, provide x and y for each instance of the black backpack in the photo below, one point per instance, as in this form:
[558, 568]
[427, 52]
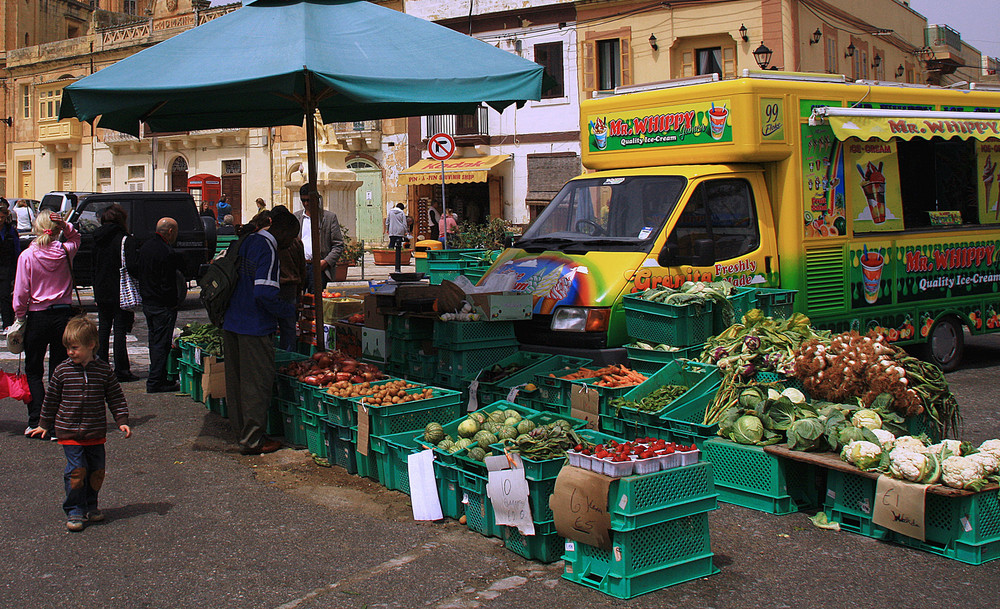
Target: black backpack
[219, 282]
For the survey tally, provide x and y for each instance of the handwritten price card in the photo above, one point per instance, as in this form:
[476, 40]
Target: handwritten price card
[899, 506]
[580, 507]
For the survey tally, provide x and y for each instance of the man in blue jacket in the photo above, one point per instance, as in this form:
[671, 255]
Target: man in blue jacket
[248, 331]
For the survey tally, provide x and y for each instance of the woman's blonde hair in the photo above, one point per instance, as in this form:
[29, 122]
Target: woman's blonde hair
[44, 229]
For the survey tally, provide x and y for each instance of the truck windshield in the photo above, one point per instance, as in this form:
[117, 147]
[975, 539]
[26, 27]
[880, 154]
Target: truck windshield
[610, 213]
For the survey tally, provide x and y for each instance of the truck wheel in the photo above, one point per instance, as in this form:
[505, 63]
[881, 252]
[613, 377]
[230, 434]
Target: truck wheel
[945, 344]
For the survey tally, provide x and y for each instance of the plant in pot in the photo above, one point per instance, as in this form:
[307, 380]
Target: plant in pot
[354, 251]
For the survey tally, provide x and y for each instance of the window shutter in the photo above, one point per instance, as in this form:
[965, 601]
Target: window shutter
[625, 44]
[589, 66]
[729, 62]
[687, 63]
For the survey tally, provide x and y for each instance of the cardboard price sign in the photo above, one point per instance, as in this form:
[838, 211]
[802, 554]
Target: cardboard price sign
[213, 380]
[899, 506]
[364, 428]
[580, 507]
[584, 404]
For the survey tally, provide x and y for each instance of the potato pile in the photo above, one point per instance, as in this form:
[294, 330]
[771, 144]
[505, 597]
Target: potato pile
[396, 392]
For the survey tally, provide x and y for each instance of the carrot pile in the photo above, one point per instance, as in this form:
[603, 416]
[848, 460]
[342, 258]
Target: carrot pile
[615, 375]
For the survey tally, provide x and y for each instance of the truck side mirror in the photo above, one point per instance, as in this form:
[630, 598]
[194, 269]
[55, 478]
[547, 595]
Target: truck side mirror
[667, 255]
[704, 252]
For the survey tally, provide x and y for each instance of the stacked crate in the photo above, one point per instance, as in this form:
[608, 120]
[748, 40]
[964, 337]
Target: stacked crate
[410, 348]
[466, 347]
[659, 534]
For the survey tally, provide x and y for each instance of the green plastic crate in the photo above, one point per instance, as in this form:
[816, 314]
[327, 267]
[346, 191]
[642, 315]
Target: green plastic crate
[653, 356]
[294, 431]
[498, 388]
[458, 367]
[311, 397]
[456, 254]
[473, 334]
[550, 468]
[479, 514]
[700, 379]
[687, 419]
[451, 429]
[315, 433]
[398, 447]
[190, 380]
[338, 441]
[173, 359]
[544, 547]
[401, 350]
[645, 559]
[218, 406]
[415, 415]
[449, 491]
[657, 322]
[422, 368]
[640, 501]
[406, 327]
[750, 477]
[775, 302]
[366, 464]
[742, 299]
[189, 350]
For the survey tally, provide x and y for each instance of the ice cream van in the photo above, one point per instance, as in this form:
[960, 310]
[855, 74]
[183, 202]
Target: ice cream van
[877, 202]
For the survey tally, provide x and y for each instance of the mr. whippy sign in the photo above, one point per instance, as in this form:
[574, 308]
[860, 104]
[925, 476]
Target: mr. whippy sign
[693, 123]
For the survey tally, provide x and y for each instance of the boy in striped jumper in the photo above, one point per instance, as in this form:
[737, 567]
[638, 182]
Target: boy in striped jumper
[74, 404]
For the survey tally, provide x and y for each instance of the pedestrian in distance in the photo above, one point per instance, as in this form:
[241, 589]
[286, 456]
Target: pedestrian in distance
[447, 227]
[25, 216]
[223, 208]
[43, 298]
[261, 205]
[73, 414]
[433, 217]
[331, 239]
[109, 240]
[207, 211]
[10, 248]
[395, 225]
[248, 331]
[157, 269]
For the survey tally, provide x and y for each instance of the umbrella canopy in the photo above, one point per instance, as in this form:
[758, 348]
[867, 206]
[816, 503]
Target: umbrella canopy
[275, 62]
[272, 61]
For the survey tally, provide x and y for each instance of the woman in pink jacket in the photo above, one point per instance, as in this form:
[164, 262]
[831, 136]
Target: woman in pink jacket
[43, 297]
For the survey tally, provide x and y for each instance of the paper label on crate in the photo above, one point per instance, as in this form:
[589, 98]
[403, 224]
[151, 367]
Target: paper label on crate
[570, 546]
[966, 524]
[832, 494]
[473, 396]
[512, 394]
[618, 554]
[423, 486]
[623, 502]
[197, 355]
[364, 428]
[899, 506]
[508, 492]
[584, 404]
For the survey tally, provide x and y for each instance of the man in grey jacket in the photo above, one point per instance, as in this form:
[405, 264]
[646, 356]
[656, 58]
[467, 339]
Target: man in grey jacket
[331, 240]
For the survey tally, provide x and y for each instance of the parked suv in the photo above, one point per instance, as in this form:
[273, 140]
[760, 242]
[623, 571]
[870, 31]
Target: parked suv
[195, 234]
[62, 202]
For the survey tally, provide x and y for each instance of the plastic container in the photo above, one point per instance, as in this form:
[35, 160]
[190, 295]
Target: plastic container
[473, 334]
[550, 468]
[413, 415]
[545, 546]
[742, 299]
[341, 449]
[657, 322]
[750, 477]
[653, 356]
[700, 379]
[775, 302]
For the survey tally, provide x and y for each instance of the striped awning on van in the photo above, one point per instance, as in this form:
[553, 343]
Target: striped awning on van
[869, 124]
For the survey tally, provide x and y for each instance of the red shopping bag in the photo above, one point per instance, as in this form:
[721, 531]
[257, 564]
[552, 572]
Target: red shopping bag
[14, 386]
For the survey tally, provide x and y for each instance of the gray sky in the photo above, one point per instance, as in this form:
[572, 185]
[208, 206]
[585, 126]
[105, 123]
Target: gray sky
[978, 21]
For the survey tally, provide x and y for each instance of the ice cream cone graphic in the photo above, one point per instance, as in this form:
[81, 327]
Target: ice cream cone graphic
[989, 170]
[559, 292]
[541, 284]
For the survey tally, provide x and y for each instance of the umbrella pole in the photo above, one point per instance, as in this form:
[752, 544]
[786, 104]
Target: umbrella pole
[318, 285]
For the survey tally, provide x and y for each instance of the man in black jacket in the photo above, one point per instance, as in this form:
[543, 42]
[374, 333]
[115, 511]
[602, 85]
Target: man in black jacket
[158, 265]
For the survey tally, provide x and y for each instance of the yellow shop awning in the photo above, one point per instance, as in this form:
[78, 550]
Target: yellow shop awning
[465, 169]
[868, 124]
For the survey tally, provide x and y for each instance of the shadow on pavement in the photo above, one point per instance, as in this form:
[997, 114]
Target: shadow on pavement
[215, 435]
[159, 508]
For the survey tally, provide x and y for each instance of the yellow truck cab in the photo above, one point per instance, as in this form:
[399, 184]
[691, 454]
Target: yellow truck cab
[877, 202]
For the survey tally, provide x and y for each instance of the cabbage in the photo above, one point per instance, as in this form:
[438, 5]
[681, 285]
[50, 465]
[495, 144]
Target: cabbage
[807, 434]
[748, 430]
[867, 418]
[793, 394]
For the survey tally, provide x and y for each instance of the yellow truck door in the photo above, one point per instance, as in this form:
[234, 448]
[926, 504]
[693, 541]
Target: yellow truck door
[724, 230]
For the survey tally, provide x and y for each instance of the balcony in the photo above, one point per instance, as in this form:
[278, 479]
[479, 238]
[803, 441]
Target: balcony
[62, 136]
[357, 136]
[943, 50]
[467, 129]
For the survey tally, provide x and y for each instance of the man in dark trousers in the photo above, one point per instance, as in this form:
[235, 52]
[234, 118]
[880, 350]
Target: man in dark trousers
[158, 265]
[248, 330]
[331, 240]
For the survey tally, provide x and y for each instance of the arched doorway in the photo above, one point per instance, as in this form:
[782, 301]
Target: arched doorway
[369, 207]
[179, 175]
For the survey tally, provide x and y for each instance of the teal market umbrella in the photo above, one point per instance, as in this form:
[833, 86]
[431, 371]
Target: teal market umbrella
[275, 62]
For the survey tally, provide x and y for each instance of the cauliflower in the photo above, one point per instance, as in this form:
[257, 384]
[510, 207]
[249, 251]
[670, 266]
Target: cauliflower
[862, 454]
[866, 418]
[885, 438]
[962, 472]
[910, 443]
[946, 448]
[990, 446]
[911, 465]
[989, 461]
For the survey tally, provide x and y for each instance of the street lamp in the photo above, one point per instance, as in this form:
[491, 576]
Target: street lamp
[652, 42]
[876, 61]
[7, 121]
[762, 55]
[899, 71]
[743, 33]
[816, 36]
[850, 50]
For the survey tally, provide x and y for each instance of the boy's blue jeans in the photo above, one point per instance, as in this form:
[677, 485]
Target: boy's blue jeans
[83, 477]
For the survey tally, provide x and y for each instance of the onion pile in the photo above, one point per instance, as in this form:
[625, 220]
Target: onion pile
[326, 367]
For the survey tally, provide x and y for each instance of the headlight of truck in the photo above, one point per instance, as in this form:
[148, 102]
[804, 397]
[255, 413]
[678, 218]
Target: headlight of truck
[580, 319]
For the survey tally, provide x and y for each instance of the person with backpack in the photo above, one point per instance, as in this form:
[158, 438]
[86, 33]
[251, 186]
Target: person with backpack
[156, 269]
[248, 327]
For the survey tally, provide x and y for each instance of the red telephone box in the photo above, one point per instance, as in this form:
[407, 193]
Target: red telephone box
[205, 187]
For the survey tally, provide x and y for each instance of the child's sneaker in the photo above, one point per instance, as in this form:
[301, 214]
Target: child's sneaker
[75, 524]
[95, 516]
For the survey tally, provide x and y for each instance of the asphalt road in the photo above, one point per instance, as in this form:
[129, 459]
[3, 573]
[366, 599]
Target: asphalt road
[192, 523]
